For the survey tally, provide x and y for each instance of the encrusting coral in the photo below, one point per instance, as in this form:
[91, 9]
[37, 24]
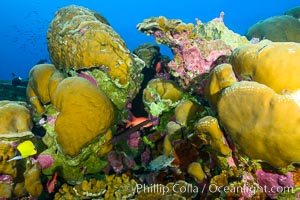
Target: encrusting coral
[207, 127]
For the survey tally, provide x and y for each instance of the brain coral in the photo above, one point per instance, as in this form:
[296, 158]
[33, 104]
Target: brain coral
[80, 38]
[85, 113]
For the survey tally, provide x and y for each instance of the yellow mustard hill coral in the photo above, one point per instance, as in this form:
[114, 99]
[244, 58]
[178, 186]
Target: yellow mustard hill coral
[186, 110]
[39, 79]
[7, 152]
[14, 117]
[207, 128]
[275, 64]
[33, 183]
[37, 89]
[220, 77]
[196, 171]
[85, 113]
[263, 124]
[79, 38]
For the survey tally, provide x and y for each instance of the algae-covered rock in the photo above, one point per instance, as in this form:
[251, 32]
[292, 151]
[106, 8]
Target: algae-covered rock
[148, 52]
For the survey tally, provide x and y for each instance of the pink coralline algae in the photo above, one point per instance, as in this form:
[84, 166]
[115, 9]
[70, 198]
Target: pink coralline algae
[197, 48]
[247, 190]
[119, 162]
[134, 140]
[115, 162]
[146, 156]
[88, 77]
[45, 161]
[220, 18]
[6, 178]
[193, 57]
[273, 183]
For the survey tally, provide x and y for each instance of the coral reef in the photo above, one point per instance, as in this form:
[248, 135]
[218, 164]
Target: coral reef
[32, 181]
[266, 132]
[219, 121]
[15, 117]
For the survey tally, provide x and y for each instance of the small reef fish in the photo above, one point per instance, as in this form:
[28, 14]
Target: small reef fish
[133, 129]
[51, 183]
[161, 162]
[158, 67]
[137, 120]
[26, 149]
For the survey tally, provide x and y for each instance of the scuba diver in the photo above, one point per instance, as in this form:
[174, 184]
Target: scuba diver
[17, 81]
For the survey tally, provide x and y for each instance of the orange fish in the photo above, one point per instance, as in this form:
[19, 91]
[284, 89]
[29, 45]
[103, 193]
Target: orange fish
[158, 67]
[176, 161]
[137, 120]
[51, 183]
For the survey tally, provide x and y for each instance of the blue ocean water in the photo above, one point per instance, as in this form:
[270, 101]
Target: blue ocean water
[24, 23]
